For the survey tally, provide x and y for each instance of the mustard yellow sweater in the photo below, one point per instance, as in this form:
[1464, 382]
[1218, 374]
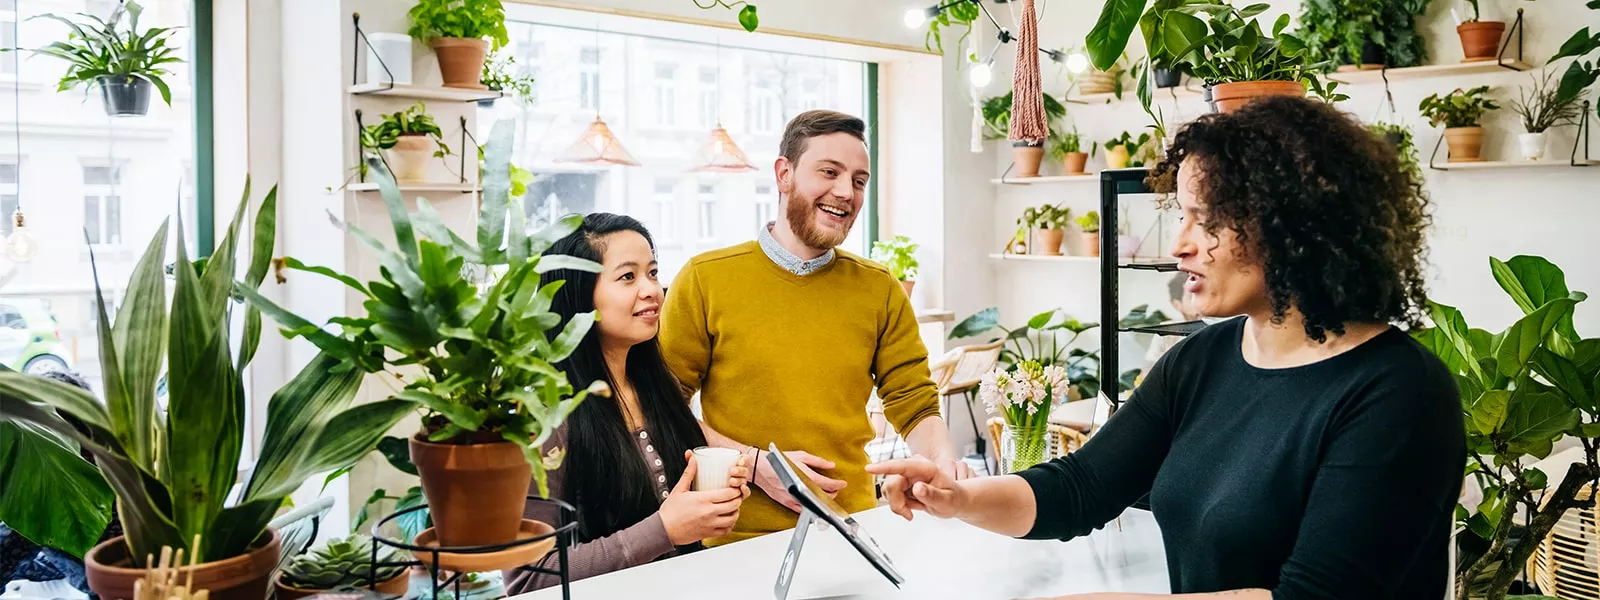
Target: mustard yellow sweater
[790, 359]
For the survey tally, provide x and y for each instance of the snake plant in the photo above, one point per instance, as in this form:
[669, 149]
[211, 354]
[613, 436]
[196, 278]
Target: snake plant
[341, 563]
[172, 465]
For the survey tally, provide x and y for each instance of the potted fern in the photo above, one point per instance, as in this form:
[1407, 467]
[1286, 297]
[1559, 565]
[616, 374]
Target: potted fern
[408, 138]
[173, 467]
[124, 63]
[344, 563]
[476, 358]
[899, 255]
[1459, 111]
[459, 32]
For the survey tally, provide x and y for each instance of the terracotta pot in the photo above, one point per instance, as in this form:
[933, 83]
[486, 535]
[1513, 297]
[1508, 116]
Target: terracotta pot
[1531, 145]
[1048, 241]
[1076, 161]
[1117, 158]
[1480, 40]
[1466, 143]
[476, 492]
[409, 157]
[1027, 157]
[1230, 97]
[461, 61]
[395, 586]
[1091, 243]
[907, 285]
[246, 577]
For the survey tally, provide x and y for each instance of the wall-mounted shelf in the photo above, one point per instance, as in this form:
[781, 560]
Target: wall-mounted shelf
[454, 188]
[1512, 164]
[1428, 71]
[1131, 95]
[422, 92]
[1085, 178]
[1169, 329]
[1046, 258]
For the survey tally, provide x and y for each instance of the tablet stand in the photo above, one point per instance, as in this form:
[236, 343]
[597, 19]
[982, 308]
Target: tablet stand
[791, 558]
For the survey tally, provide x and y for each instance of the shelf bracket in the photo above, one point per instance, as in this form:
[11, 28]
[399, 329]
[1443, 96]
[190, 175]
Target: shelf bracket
[1516, 29]
[1581, 138]
[1433, 155]
[355, 58]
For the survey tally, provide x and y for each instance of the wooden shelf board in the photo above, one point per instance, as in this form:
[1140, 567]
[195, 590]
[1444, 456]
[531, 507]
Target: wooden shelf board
[1427, 71]
[1044, 258]
[458, 188]
[1047, 180]
[1511, 164]
[1132, 95]
[406, 90]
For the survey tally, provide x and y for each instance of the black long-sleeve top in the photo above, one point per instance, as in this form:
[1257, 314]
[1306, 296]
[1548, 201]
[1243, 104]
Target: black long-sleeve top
[1336, 479]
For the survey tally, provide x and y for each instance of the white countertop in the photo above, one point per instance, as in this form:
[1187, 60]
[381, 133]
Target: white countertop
[939, 559]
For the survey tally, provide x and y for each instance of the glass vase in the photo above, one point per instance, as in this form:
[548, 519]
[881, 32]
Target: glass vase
[1022, 447]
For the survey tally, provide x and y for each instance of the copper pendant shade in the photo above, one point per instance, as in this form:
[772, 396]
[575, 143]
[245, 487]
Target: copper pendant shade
[598, 146]
[721, 155]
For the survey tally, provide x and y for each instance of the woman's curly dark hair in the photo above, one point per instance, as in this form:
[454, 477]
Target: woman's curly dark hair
[1322, 205]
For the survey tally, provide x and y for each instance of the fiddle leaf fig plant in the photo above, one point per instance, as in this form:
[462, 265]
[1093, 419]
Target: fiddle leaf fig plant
[479, 359]
[1522, 390]
[174, 466]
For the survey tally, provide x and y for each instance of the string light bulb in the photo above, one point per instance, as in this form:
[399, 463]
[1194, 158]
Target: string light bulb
[981, 73]
[20, 245]
[1077, 62]
[916, 17]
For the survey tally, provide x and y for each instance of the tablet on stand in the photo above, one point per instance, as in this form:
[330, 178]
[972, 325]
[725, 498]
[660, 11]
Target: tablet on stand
[817, 505]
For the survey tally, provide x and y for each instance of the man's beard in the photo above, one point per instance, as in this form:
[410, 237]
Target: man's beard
[798, 211]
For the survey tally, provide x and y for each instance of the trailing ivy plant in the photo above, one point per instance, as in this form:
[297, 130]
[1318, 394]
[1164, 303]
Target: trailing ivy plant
[1522, 390]
[1401, 139]
[748, 18]
[500, 73]
[961, 14]
[414, 120]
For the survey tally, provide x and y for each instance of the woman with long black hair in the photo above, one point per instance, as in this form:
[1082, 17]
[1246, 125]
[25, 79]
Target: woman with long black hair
[629, 462]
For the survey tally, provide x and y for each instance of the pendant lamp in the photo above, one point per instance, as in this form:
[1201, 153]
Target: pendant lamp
[720, 155]
[598, 146]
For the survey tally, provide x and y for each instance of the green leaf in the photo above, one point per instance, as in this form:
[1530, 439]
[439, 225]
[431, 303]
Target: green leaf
[413, 523]
[1040, 320]
[398, 452]
[1532, 281]
[496, 202]
[1488, 412]
[1537, 480]
[748, 19]
[1534, 420]
[1109, 36]
[292, 263]
[562, 227]
[1281, 24]
[1579, 44]
[266, 231]
[294, 325]
[140, 347]
[459, 414]
[353, 433]
[36, 465]
[1564, 375]
[1184, 33]
[1573, 81]
[981, 322]
[1452, 328]
[1519, 342]
[1254, 9]
[296, 417]
[571, 336]
[378, 495]
[404, 236]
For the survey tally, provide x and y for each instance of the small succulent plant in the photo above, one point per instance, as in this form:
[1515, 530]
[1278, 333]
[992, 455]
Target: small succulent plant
[340, 563]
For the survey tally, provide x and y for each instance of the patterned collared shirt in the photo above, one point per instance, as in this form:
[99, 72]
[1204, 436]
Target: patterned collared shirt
[787, 259]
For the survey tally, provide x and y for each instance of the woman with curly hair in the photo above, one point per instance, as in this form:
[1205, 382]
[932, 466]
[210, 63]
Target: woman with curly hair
[1307, 449]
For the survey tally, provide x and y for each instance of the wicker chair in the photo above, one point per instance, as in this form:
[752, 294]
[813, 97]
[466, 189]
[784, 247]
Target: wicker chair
[1061, 440]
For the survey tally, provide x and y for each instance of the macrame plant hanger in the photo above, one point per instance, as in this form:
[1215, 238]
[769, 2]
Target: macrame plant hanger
[1028, 122]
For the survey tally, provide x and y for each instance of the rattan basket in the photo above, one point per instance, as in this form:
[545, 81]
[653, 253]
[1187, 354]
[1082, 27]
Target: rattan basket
[1567, 563]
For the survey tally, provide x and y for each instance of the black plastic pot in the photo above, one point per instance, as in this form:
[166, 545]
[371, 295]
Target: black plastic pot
[1372, 54]
[1394, 138]
[1166, 78]
[124, 95]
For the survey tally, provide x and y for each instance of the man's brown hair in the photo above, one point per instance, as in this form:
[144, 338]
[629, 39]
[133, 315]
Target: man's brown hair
[813, 123]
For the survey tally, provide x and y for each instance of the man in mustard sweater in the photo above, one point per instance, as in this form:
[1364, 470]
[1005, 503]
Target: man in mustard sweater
[785, 337]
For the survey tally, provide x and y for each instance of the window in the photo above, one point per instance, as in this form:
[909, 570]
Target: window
[660, 99]
[811, 94]
[8, 196]
[8, 40]
[666, 95]
[529, 60]
[708, 97]
[102, 207]
[589, 78]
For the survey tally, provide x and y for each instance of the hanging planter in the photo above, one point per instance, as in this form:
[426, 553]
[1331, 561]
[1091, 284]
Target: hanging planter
[123, 62]
[1027, 156]
[1166, 78]
[124, 95]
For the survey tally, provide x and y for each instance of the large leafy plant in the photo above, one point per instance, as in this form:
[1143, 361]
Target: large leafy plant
[173, 466]
[899, 255]
[480, 361]
[474, 19]
[1580, 73]
[1039, 340]
[1522, 390]
[1336, 30]
[1459, 108]
[97, 47]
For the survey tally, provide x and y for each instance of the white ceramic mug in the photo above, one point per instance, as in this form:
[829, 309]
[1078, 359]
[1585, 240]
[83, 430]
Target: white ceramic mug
[714, 465]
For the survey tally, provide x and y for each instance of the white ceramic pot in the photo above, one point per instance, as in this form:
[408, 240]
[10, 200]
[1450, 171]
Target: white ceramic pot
[1532, 145]
[389, 58]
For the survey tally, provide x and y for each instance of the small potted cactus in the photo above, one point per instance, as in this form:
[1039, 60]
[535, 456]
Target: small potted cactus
[341, 564]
